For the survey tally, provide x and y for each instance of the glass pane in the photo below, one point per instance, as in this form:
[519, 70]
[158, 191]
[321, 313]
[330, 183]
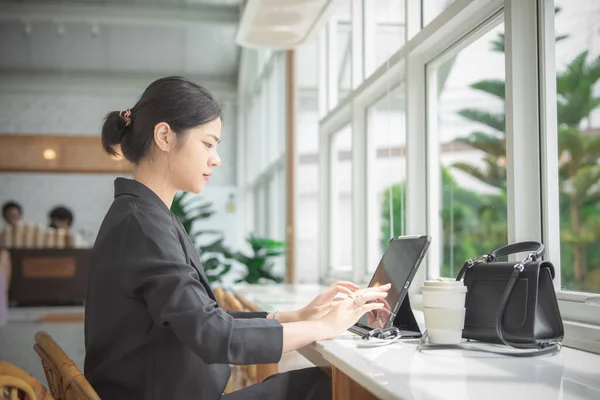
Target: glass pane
[272, 132]
[260, 207]
[307, 171]
[469, 122]
[253, 121]
[344, 50]
[578, 90]
[264, 125]
[433, 8]
[384, 31]
[386, 176]
[340, 209]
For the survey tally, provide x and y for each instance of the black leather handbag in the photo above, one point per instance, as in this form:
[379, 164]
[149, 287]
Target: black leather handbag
[513, 303]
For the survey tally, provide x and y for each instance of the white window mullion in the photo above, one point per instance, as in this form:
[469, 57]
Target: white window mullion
[434, 182]
[332, 63]
[357, 23]
[369, 24]
[324, 205]
[413, 19]
[416, 160]
[522, 122]
[549, 137]
[359, 198]
[322, 72]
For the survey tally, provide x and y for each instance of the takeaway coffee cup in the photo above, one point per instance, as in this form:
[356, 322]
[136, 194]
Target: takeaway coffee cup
[444, 309]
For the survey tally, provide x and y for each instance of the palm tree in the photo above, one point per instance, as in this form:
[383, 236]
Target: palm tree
[579, 171]
[579, 168]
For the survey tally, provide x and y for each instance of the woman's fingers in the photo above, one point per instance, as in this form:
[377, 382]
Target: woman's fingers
[336, 293]
[342, 289]
[365, 308]
[347, 284]
[382, 288]
[370, 296]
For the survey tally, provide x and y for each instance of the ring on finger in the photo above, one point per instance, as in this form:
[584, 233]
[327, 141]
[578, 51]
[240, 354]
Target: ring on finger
[356, 297]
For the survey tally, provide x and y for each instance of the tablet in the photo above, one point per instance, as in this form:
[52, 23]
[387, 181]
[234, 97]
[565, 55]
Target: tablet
[398, 266]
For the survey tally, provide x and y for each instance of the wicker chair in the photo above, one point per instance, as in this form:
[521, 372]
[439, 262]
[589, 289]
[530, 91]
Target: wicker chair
[18, 384]
[65, 380]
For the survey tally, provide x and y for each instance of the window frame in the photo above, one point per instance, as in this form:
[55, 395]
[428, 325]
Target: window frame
[530, 106]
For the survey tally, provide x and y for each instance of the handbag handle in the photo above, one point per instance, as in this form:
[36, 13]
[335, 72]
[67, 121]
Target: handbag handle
[536, 248]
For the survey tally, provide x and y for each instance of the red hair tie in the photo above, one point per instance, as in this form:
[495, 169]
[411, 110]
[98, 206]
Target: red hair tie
[126, 115]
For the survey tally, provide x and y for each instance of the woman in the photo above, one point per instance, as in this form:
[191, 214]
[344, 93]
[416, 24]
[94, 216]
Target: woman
[152, 327]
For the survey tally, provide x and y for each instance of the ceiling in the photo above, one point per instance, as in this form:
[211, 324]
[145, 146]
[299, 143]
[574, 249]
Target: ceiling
[120, 37]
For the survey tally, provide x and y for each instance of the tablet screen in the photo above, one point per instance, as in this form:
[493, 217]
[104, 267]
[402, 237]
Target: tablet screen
[397, 266]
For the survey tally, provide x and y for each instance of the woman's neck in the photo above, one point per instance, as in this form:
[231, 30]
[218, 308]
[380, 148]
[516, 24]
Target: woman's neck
[152, 179]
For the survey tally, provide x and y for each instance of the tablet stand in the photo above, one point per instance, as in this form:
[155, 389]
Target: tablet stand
[405, 319]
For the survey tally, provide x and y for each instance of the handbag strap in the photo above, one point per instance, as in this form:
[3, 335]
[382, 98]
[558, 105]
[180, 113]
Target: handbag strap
[543, 348]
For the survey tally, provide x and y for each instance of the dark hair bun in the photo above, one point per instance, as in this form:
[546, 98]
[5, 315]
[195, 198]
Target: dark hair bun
[113, 131]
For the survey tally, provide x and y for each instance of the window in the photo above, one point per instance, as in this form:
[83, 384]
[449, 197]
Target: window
[433, 8]
[384, 31]
[577, 52]
[340, 209]
[466, 119]
[307, 233]
[262, 177]
[386, 169]
[341, 45]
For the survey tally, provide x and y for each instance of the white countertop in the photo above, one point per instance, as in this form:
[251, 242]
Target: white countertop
[400, 371]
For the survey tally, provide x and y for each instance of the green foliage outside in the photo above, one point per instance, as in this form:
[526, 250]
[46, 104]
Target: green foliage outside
[217, 259]
[479, 221]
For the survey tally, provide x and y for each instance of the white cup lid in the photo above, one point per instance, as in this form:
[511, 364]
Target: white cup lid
[440, 284]
[443, 282]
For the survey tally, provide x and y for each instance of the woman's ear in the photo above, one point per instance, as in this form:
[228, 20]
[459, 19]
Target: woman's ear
[164, 137]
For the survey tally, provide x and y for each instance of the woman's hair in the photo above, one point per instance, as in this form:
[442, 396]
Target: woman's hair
[175, 100]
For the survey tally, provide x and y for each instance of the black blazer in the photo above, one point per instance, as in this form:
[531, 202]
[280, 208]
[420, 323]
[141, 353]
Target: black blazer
[152, 327]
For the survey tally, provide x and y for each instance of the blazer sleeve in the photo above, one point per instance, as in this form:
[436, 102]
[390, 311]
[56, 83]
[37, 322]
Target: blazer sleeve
[176, 299]
[247, 314]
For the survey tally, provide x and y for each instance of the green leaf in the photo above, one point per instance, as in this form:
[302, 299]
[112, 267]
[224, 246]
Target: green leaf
[498, 45]
[495, 87]
[494, 121]
[485, 142]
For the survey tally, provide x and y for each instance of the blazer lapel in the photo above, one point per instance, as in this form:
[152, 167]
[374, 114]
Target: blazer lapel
[194, 259]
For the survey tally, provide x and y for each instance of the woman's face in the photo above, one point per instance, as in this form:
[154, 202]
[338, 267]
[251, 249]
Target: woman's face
[195, 159]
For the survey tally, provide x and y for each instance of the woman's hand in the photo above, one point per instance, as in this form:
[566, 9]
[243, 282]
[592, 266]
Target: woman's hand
[331, 315]
[324, 302]
[347, 312]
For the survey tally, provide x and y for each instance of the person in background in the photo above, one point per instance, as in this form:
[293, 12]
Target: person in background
[12, 213]
[62, 218]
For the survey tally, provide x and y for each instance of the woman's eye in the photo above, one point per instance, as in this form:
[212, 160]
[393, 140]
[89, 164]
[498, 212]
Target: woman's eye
[210, 146]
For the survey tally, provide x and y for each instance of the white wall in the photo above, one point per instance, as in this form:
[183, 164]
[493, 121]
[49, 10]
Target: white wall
[77, 107]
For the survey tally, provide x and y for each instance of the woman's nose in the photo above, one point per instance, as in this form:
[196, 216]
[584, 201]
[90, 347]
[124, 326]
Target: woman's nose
[215, 160]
